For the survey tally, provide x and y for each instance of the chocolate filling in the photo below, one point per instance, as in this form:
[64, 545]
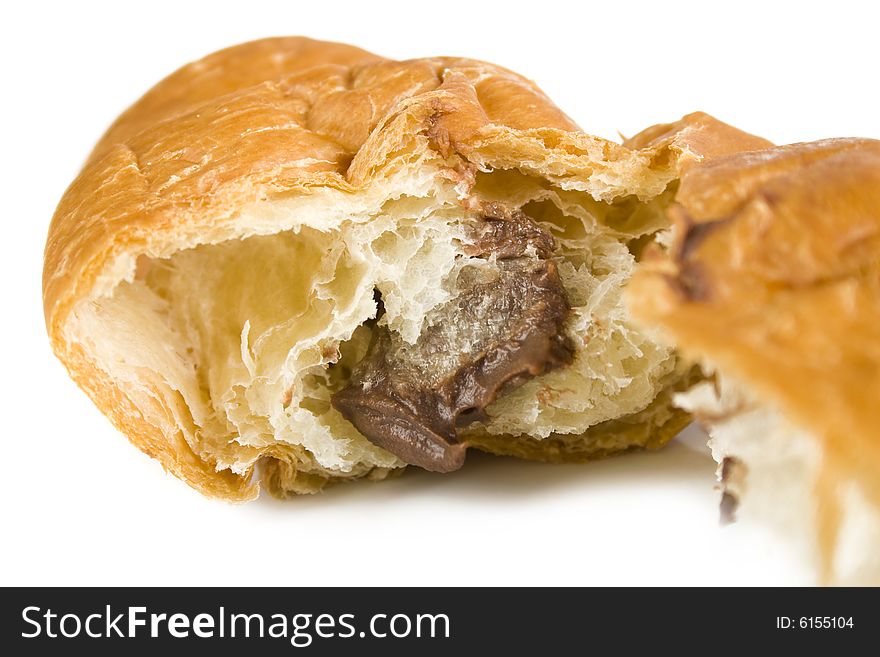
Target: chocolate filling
[732, 471]
[503, 327]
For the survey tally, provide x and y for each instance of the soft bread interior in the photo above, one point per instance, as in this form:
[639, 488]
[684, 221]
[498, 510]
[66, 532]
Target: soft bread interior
[771, 471]
[246, 339]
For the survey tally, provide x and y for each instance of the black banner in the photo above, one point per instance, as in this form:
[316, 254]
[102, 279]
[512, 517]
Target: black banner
[423, 621]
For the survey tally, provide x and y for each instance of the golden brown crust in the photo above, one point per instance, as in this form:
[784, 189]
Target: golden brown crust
[695, 138]
[775, 279]
[282, 117]
[228, 71]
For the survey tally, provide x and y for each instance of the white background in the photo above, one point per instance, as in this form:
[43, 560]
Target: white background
[81, 506]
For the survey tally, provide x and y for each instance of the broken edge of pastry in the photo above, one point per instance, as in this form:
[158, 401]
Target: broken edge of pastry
[254, 227]
[773, 283]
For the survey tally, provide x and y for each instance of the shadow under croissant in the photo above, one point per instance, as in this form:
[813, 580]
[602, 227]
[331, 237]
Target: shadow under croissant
[684, 459]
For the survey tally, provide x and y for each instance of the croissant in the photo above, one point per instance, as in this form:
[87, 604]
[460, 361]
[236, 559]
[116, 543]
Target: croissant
[293, 262]
[772, 283]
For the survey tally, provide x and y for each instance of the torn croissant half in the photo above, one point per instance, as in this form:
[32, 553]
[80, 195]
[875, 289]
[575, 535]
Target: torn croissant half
[295, 262]
[773, 283]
